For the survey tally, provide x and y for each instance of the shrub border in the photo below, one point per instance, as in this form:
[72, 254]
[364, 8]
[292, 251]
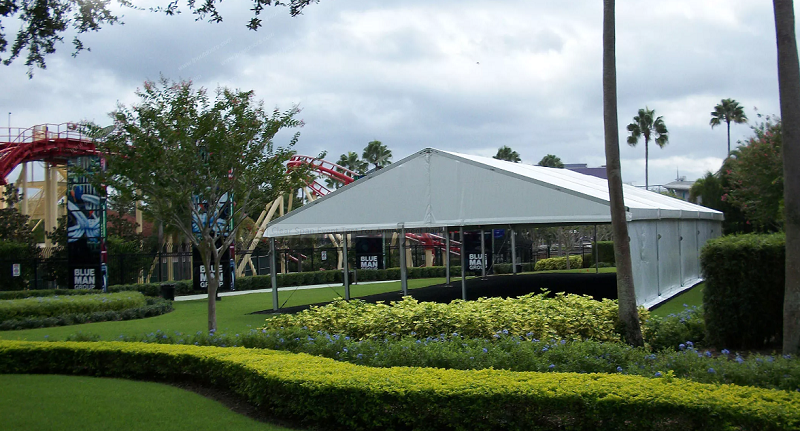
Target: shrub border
[154, 307]
[301, 387]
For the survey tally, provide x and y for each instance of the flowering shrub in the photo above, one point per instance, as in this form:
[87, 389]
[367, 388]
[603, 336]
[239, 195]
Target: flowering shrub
[51, 306]
[563, 316]
[555, 263]
[671, 331]
[507, 352]
[301, 387]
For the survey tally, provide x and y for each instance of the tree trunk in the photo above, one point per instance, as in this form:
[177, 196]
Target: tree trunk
[729, 138]
[789, 86]
[646, 163]
[628, 314]
[212, 276]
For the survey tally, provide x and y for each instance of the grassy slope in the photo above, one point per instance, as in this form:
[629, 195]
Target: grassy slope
[191, 316]
[693, 296]
[36, 402]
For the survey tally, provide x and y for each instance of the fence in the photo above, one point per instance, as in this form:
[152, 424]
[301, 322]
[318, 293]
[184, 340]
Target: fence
[52, 272]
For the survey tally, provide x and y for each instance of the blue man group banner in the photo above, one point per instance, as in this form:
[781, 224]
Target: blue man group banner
[86, 225]
[472, 250]
[369, 252]
[220, 221]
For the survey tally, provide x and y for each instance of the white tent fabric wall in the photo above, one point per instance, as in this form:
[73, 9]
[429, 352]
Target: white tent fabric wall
[666, 256]
[433, 189]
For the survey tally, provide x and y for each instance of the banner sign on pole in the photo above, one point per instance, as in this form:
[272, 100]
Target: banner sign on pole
[472, 249]
[369, 252]
[220, 219]
[86, 225]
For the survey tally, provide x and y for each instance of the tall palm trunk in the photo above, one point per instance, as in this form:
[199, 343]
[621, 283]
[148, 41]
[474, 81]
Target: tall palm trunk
[729, 138]
[628, 314]
[646, 164]
[789, 86]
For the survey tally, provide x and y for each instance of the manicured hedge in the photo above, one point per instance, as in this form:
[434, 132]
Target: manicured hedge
[605, 251]
[562, 316]
[743, 295]
[19, 294]
[558, 263]
[154, 307]
[322, 392]
[51, 306]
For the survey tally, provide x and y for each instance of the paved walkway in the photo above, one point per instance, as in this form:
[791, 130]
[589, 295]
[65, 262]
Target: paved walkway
[287, 288]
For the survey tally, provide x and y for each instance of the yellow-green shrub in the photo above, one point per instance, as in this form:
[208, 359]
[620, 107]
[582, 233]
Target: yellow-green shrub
[57, 305]
[555, 263]
[564, 316]
[323, 392]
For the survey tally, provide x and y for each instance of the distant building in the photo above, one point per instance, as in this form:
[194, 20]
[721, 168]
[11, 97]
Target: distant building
[582, 168]
[680, 187]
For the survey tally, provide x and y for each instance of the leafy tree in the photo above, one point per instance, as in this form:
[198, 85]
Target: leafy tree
[43, 22]
[377, 154]
[647, 125]
[726, 111]
[196, 160]
[755, 177]
[551, 161]
[628, 313]
[709, 191]
[506, 153]
[14, 225]
[789, 87]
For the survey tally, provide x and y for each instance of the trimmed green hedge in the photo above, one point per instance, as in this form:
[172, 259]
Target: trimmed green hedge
[743, 295]
[20, 294]
[605, 250]
[51, 306]
[301, 387]
[154, 307]
[558, 263]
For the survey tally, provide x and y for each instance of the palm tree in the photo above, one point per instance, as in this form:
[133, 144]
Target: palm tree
[551, 161]
[628, 314]
[647, 125]
[789, 89]
[506, 153]
[377, 154]
[728, 110]
[352, 162]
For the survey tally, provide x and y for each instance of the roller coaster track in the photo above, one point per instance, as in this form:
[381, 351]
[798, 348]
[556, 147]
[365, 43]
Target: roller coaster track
[53, 143]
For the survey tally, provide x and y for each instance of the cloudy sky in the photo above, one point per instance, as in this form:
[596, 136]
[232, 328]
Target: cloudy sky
[466, 76]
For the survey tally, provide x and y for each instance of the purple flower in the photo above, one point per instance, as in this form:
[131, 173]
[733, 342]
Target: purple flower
[681, 346]
[739, 359]
[658, 374]
[485, 350]
[708, 354]
[711, 371]
[690, 344]
[552, 366]
[725, 351]
[619, 369]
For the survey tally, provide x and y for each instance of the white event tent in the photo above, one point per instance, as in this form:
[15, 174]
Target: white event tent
[435, 189]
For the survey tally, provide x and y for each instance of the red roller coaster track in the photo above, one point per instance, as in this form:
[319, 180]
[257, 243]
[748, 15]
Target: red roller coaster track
[54, 143]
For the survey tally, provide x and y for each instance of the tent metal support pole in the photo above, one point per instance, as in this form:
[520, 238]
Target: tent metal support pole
[513, 251]
[273, 274]
[447, 256]
[346, 266]
[596, 253]
[463, 265]
[403, 269]
[483, 255]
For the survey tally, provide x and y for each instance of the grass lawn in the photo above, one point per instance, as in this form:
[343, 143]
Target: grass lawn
[693, 296]
[192, 316]
[52, 402]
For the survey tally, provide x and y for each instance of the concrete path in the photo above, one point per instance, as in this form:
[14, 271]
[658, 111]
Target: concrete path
[287, 288]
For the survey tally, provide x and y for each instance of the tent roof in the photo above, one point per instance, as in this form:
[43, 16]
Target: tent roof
[434, 189]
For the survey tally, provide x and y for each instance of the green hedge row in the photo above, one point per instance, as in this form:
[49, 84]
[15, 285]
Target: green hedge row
[154, 307]
[605, 251]
[20, 294]
[743, 295]
[558, 263]
[301, 387]
[52, 306]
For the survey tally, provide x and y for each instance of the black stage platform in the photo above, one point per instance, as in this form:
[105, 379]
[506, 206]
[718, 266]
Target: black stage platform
[598, 286]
